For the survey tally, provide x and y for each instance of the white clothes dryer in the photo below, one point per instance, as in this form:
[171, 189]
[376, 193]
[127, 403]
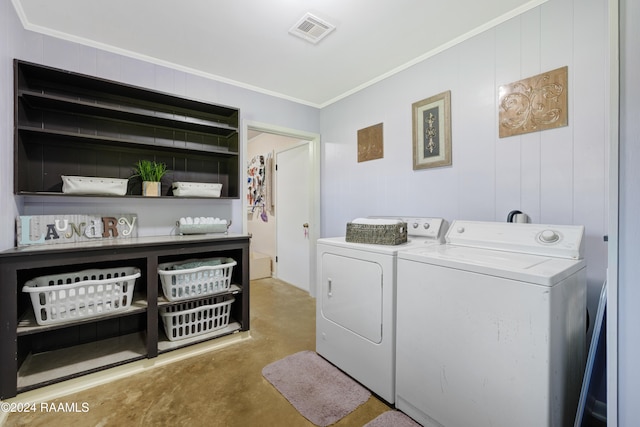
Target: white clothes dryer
[356, 300]
[491, 326]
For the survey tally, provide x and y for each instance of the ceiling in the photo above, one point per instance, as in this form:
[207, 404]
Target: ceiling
[247, 42]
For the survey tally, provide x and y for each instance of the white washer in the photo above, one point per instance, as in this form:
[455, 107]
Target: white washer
[355, 312]
[491, 326]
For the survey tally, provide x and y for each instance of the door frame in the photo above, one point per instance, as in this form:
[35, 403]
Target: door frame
[613, 212]
[314, 191]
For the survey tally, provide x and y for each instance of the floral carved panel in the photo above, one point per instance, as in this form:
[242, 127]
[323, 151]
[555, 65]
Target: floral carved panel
[534, 104]
[370, 146]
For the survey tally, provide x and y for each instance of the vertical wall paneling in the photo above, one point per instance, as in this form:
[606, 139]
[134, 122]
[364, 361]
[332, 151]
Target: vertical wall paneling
[556, 150]
[530, 174]
[60, 54]
[137, 73]
[589, 129]
[27, 44]
[508, 157]
[6, 117]
[108, 65]
[198, 87]
[10, 43]
[164, 79]
[474, 152]
[87, 60]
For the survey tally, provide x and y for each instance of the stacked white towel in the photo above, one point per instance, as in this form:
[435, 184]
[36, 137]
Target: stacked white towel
[376, 221]
[201, 220]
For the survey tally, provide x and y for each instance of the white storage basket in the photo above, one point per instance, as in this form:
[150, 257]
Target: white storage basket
[184, 283]
[189, 319]
[94, 185]
[202, 228]
[84, 294]
[196, 189]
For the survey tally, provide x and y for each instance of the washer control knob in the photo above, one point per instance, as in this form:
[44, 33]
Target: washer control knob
[415, 225]
[549, 236]
[460, 229]
[426, 225]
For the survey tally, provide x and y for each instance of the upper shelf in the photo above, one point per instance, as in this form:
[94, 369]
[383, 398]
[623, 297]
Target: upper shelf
[66, 84]
[159, 143]
[125, 112]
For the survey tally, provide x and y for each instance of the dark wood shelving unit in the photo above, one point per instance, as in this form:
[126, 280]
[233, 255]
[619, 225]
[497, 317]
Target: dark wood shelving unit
[72, 124]
[33, 356]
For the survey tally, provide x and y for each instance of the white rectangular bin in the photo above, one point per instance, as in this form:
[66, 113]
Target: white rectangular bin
[195, 277]
[189, 319]
[84, 294]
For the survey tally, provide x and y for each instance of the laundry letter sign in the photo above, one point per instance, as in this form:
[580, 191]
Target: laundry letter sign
[53, 229]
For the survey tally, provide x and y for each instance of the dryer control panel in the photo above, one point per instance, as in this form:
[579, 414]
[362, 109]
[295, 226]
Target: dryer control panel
[424, 227]
[429, 228]
[562, 241]
[433, 228]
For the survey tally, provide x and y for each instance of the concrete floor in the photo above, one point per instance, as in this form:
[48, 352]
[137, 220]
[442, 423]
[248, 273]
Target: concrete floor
[222, 387]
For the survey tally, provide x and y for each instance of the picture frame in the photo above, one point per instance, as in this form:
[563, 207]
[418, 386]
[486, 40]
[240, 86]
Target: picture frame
[431, 119]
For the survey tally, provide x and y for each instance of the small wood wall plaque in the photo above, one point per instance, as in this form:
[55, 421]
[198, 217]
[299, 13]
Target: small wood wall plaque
[534, 104]
[370, 144]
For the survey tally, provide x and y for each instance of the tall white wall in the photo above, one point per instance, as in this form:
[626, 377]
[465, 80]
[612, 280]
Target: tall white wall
[155, 217]
[556, 176]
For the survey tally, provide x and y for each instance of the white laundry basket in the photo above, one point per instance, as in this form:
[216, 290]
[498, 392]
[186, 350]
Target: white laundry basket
[193, 318]
[84, 294]
[205, 277]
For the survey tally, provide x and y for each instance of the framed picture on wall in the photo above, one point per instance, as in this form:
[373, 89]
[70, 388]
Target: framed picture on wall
[432, 131]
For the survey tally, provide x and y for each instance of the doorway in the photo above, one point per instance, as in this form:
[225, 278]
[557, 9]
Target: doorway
[281, 237]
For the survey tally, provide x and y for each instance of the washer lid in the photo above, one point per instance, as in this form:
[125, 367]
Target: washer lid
[542, 270]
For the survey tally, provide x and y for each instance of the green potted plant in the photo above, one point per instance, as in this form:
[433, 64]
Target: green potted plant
[150, 173]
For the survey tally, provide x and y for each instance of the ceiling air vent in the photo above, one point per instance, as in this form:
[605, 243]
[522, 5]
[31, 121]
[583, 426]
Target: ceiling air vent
[311, 28]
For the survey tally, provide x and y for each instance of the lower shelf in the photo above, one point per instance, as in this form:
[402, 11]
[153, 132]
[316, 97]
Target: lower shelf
[53, 366]
[165, 345]
[27, 323]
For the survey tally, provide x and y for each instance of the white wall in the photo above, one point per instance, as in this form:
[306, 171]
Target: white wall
[629, 224]
[556, 176]
[155, 217]
[8, 205]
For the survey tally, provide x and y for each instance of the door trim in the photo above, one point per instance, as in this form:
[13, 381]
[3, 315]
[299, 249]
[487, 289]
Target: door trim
[314, 193]
[613, 213]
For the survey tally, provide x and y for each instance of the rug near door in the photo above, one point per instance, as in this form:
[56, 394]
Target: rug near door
[318, 390]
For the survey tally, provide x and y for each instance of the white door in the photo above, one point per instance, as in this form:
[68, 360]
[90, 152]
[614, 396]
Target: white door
[293, 184]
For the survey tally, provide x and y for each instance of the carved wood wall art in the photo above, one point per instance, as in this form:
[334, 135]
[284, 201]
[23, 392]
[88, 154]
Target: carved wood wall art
[534, 104]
